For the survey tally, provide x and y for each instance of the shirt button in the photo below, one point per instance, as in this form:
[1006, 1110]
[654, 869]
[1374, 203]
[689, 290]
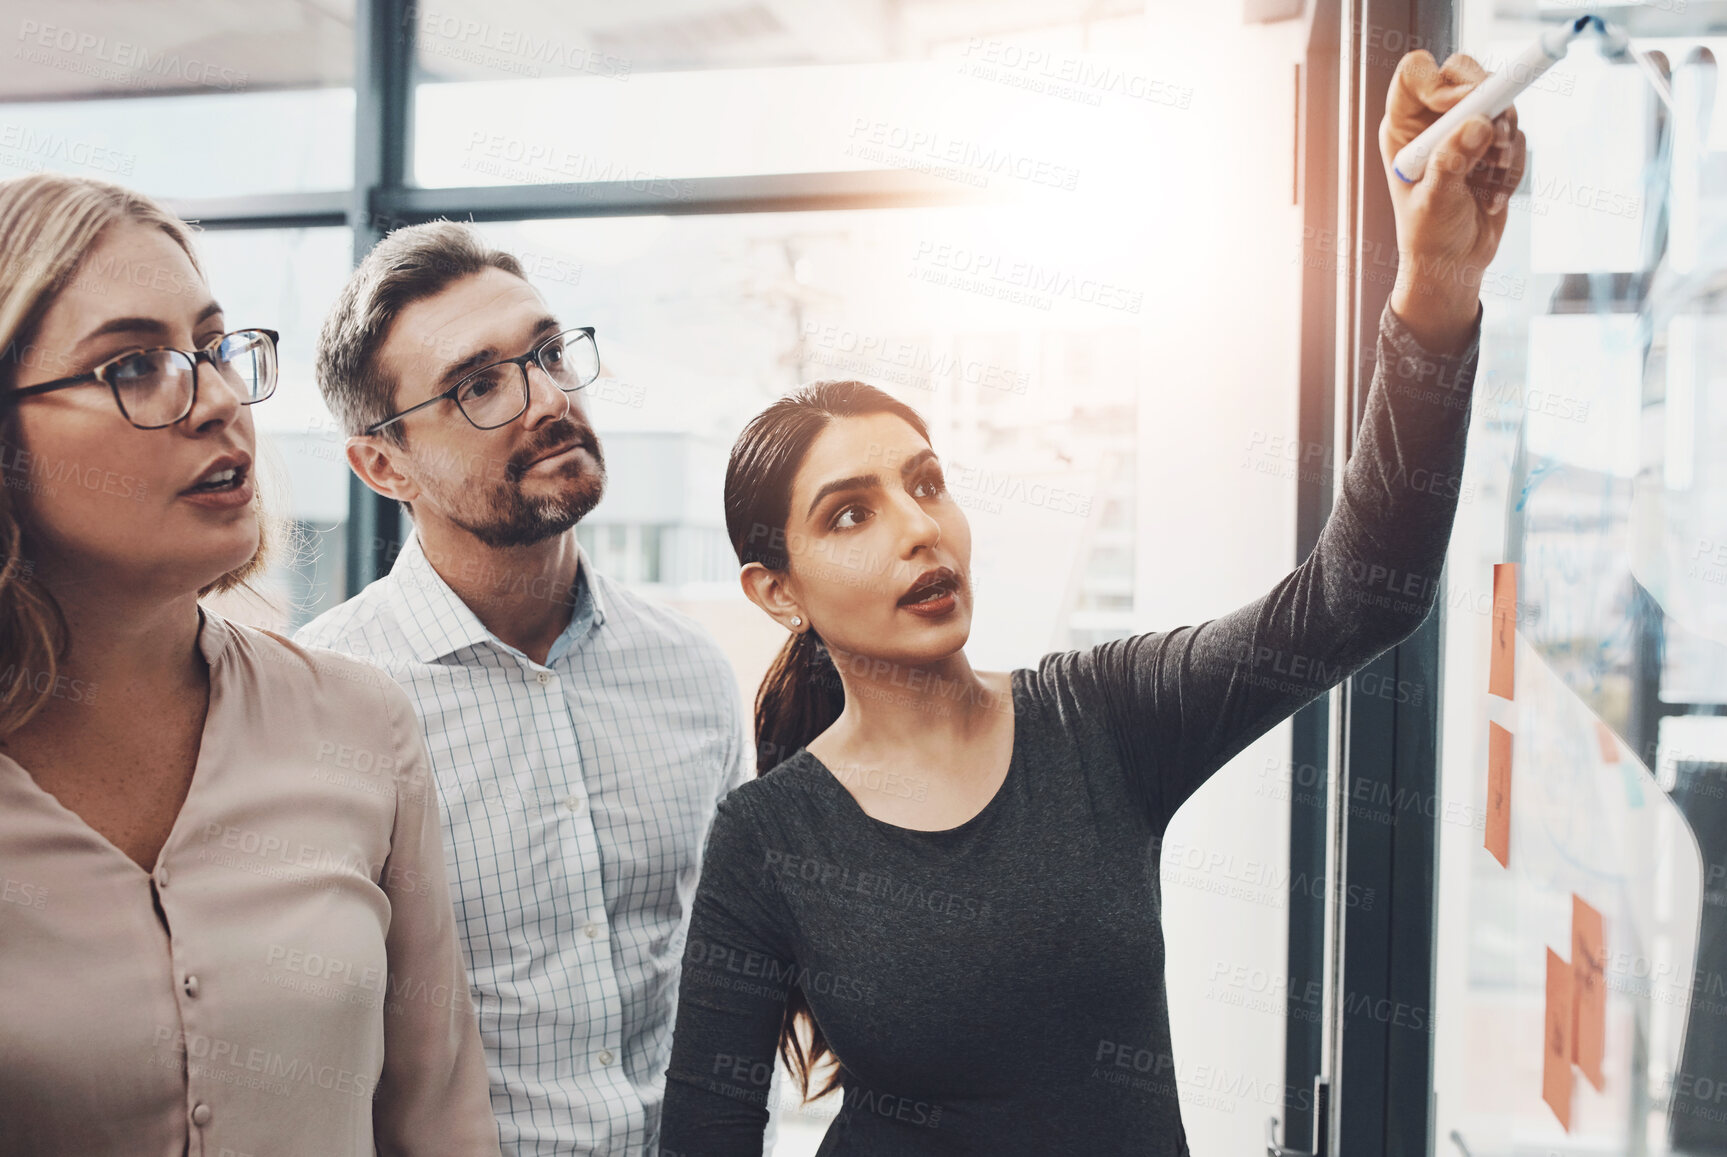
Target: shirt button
[590, 930]
[573, 804]
[201, 1115]
[606, 1057]
[544, 677]
[191, 986]
[161, 877]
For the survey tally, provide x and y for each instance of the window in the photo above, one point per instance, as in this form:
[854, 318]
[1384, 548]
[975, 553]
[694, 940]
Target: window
[1007, 215]
[182, 100]
[1593, 460]
[704, 320]
[285, 279]
[660, 95]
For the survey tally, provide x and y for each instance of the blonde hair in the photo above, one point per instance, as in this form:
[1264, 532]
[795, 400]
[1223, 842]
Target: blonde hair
[49, 223]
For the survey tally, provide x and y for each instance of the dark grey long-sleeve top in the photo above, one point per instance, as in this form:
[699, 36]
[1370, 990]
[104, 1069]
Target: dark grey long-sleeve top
[998, 988]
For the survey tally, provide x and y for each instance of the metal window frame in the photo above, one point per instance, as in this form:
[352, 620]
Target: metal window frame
[1305, 1118]
[1385, 951]
[1371, 1077]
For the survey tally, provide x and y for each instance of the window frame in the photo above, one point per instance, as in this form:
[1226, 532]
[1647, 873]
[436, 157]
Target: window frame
[382, 200]
[1369, 1081]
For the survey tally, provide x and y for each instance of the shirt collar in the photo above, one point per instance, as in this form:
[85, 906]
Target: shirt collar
[436, 622]
[212, 634]
[587, 614]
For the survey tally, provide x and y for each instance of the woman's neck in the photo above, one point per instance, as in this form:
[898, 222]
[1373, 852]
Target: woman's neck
[935, 708]
[141, 644]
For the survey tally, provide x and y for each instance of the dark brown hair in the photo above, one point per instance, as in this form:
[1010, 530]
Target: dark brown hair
[801, 695]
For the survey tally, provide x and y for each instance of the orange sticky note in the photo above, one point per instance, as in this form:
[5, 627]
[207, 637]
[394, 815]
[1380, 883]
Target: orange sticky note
[1556, 1079]
[1500, 675]
[1609, 745]
[1499, 793]
[1588, 991]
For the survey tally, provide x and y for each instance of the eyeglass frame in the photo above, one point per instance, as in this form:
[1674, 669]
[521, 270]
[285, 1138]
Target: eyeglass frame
[100, 374]
[521, 361]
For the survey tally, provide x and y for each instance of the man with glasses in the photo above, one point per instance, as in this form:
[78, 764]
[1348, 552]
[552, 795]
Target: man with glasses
[581, 736]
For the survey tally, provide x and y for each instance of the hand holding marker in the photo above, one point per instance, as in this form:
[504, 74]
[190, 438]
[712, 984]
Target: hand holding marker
[1496, 94]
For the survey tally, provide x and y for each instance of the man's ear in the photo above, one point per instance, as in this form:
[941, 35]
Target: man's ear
[374, 459]
[770, 591]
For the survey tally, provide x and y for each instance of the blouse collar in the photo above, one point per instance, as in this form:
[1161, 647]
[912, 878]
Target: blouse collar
[213, 634]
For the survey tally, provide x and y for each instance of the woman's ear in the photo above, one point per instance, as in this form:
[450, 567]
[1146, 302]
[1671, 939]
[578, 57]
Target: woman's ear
[768, 590]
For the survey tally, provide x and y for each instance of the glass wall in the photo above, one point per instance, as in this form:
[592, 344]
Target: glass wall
[1580, 966]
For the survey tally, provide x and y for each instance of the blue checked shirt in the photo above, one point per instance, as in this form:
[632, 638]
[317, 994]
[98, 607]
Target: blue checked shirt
[576, 798]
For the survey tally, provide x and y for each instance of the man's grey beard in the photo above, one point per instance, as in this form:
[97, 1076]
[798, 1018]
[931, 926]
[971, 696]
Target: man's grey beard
[516, 520]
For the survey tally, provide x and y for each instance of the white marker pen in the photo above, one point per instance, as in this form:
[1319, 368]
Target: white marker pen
[1497, 93]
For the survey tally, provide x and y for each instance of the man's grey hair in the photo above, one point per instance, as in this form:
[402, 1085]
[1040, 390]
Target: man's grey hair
[411, 264]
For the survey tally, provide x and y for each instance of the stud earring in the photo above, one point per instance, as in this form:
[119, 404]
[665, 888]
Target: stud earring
[797, 622]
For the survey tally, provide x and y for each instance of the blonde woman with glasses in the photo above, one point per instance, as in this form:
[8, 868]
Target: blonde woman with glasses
[224, 922]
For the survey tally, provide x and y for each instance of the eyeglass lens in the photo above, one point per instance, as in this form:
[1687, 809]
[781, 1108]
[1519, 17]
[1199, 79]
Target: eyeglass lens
[155, 386]
[497, 394]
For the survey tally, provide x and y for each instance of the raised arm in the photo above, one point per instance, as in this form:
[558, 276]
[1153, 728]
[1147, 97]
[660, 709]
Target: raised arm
[737, 973]
[1181, 703]
[433, 1096]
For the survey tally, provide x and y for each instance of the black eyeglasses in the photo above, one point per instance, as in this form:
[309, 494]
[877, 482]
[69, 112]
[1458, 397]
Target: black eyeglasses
[158, 387]
[571, 359]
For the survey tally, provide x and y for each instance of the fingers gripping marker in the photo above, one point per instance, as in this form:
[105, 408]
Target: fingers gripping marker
[1497, 93]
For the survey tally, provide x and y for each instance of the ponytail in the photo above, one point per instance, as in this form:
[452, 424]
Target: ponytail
[801, 696]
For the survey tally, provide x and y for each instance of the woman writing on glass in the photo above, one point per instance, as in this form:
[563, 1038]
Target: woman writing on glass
[226, 927]
[948, 882]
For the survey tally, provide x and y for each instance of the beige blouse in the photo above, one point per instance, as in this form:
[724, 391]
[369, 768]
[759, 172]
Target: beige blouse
[287, 981]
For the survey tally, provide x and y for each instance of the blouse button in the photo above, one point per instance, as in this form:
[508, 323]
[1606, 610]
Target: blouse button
[201, 1115]
[573, 804]
[191, 986]
[590, 930]
[544, 677]
[606, 1056]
